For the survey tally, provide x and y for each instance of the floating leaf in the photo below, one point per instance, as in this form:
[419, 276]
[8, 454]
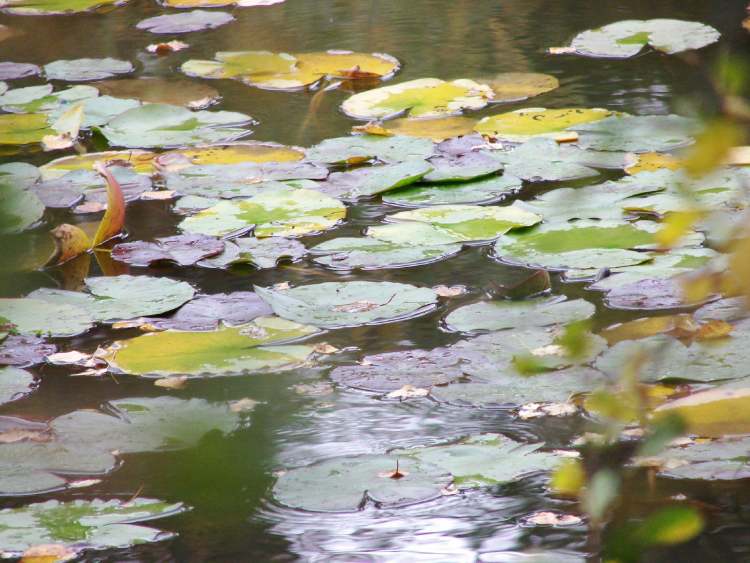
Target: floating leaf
[113, 221]
[15, 383]
[195, 20]
[21, 209]
[652, 161]
[184, 250]
[40, 317]
[335, 305]
[119, 297]
[139, 161]
[715, 460]
[13, 71]
[217, 3]
[475, 192]
[23, 351]
[483, 460]
[437, 129]
[627, 38]
[282, 71]
[83, 70]
[424, 97]
[348, 484]
[518, 86]
[649, 294]
[349, 253]
[462, 167]
[499, 315]
[24, 129]
[370, 181]
[387, 372]
[54, 7]
[360, 148]
[82, 525]
[259, 252]
[636, 133]
[175, 91]
[163, 125]
[522, 124]
[227, 351]
[77, 186]
[583, 244]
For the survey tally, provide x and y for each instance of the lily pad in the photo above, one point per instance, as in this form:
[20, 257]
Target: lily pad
[140, 162]
[337, 305]
[485, 460]
[522, 124]
[499, 315]
[207, 312]
[452, 223]
[15, 383]
[627, 38]
[42, 99]
[40, 317]
[21, 208]
[348, 484]
[195, 20]
[24, 350]
[382, 373]
[259, 252]
[54, 7]
[163, 125]
[283, 212]
[81, 525]
[360, 148]
[24, 129]
[715, 460]
[475, 192]
[583, 244]
[117, 298]
[462, 167]
[12, 71]
[648, 294]
[83, 70]
[370, 181]
[424, 97]
[228, 351]
[349, 253]
[636, 133]
[183, 250]
[282, 71]
[175, 91]
[437, 129]
[79, 185]
[217, 3]
[518, 86]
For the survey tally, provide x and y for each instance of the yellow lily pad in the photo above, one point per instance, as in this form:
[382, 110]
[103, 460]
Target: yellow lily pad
[140, 161]
[651, 161]
[24, 128]
[424, 97]
[437, 130]
[523, 124]
[519, 86]
[54, 7]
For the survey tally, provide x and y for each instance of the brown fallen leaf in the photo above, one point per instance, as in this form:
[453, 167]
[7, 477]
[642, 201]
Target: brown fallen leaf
[395, 474]
[355, 73]
[317, 389]
[167, 47]
[408, 392]
[243, 405]
[325, 348]
[450, 290]
[70, 242]
[173, 382]
[113, 221]
[561, 51]
[83, 483]
[90, 207]
[537, 410]
[553, 519]
[372, 128]
[356, 307]
[48, 553]
[25, 435]
[158, 195]
[713, 329]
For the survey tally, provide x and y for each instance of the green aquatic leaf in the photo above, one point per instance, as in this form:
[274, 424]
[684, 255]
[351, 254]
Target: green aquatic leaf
[424, 97]
[463, 167]
[86, 185]
[370, 181]
[115, 298]
[20, 207]
[637, 133]
[282, 212]
[627, 38]
[185, 22]
[81, 525]
[183, 250]
[359, 148]
[475, 192]
[15, 383]
[240, 350]
[499, 315]
[37, 316]
[348, 484]
[259, 252]
[24, 129]
[54, 7]
[83, 70]
[725, 459]
[335, 305]
[349, 253]
[523, 124]
[583, 244]
[163, 125]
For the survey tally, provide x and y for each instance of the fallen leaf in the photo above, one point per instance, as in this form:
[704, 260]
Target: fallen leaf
[450, 291]
[166, 48]
[537, 410]
[316, 389]
[355, 307]
[713, 329]
[561, 50]
[325, 348]
[90, 207]
[372, 128]
[408, 392]
[71, 359]
[243, 405]
[553, 519]
[48, 553]
[114, 218]
[174, 382]
[24, 435]
[158, 195]
[70, 242]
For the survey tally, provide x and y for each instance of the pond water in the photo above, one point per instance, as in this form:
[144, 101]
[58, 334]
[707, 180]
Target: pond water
[227, 480]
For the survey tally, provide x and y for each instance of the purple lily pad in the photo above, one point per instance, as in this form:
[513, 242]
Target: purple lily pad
[23, 351]
[195, 20]
[207, 311]
[11, 71]
[647, 294]
[184, 250]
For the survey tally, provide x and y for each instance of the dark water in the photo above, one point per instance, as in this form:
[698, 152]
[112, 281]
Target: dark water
[227, 480]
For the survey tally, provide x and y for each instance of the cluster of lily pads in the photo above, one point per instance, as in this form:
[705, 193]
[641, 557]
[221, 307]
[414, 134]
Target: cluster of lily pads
[446, 179]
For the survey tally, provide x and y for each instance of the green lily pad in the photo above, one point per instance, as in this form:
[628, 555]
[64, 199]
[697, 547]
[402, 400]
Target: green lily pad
[485, 460]
[259, 252]
[360, 148]
[522, 124]
[499, 315]
[15, 383]
[463, 167]
[123, 297]
[83, 70]
[79, 185]
[717, 460]
[54, 7]
[41, 99]
[452, 223]
[336, 305]
[382, 373]
[97, 111]
[183, 250]
[349, 253]
[370, 181]
[163, 125]
[81, 525]
[424, 97]
[24, 129]
[583, 244]
[555, 386]
[627, 38]
[282, 212]
[37, 316]
[668, 358]
[21, 208]
[185, 22]
[348, 484]
[475, 192]
[285, 72]
[544, 160]
[637, 133]
[228, 351]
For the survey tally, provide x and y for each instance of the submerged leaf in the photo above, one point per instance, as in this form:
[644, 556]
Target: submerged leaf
[82, 70]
